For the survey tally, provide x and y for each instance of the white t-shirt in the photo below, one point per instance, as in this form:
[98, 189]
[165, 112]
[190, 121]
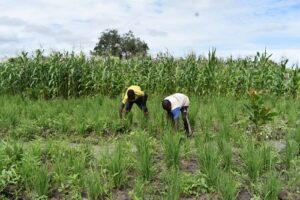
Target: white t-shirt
[178, 100]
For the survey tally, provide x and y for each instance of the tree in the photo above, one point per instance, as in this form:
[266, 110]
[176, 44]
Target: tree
[125, 46]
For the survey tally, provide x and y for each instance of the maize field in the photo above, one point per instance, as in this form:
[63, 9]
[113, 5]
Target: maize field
[61, 136]
[69, 75]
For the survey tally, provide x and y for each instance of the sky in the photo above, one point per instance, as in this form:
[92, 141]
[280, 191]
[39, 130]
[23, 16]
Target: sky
[234, 27]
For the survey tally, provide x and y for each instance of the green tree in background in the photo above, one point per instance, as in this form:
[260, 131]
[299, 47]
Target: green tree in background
[123, 46]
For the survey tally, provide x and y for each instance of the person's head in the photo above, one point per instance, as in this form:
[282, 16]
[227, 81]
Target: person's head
[166, 104]
[131, 95]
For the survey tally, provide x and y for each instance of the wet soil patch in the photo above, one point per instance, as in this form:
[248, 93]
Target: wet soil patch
[190, 166]
[244, 194]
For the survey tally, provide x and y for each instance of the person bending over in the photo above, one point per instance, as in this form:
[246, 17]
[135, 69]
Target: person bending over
[133, 94]
[174, 104]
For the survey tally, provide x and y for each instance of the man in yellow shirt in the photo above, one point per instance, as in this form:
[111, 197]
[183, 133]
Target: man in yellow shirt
[134, 94]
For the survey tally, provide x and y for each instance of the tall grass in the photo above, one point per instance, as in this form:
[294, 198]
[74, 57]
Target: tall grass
[268, 157]
[253, 161]
[209, 163]
[145, 156]
[291, 151]
[171, 146]
[272, 186]
[173, 183]
[95, 185]
[117, 166]
[35, 176]
[225, 149]
[227, 186]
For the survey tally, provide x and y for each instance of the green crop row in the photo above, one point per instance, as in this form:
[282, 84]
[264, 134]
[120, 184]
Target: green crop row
[70, 75]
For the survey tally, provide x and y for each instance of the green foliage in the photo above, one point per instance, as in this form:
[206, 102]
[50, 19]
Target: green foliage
[14, 150]
[171, 145]
[111, 43]
[253, 161]
[268, 157]
[272, 186]
[209, 162]
[66, 157]
[95, 185]
[9, 177]
[35, 176]
[67, 163]
[69, 75]
[226, 152]
[117, 166]
[259, 114]
[227, 186]
[145, 156]
[294, 175]
[291, 151]
[174, 185]
[194, 184]
[138, 192]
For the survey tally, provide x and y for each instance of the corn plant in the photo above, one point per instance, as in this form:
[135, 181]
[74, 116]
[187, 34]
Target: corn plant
[73, 75]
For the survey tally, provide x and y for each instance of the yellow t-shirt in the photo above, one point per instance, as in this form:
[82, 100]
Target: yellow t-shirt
[137, 91]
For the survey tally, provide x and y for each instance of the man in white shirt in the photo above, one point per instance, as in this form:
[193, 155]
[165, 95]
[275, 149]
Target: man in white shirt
[174, 104]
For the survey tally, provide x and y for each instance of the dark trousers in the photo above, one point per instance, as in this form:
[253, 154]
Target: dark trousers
[140, 102]
[185, 119]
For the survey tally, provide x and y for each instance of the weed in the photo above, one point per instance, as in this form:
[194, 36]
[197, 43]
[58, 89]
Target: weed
[259, 113]
[37, 182]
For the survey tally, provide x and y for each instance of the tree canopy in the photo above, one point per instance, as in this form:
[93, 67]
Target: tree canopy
[124, 46]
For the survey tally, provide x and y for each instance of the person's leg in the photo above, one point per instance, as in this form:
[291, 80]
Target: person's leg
[142, 104]
[185, 119]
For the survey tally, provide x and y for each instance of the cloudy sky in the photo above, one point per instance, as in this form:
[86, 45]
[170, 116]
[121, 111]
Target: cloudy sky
[233, 27]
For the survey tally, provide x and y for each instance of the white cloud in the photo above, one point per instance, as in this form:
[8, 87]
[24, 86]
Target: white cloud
[232, 26]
